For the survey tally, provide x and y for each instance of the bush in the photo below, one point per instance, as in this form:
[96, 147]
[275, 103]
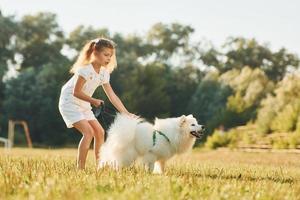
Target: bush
[217, 139]
[279, 112]
[280, 144]
[290, 141]
[286, 120]
[294, 140]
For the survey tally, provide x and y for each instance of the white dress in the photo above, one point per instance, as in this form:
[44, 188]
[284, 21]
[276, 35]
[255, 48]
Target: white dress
[74, 109]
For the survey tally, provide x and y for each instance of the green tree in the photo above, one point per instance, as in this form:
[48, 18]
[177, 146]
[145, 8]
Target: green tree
[7, 39]
[182, 83]
[209, 101]
[171, 43]
[33, 96]
[237, 53]
[250, 86]
[81, 34]
[40, 40]
[280, 111]
[147, 94]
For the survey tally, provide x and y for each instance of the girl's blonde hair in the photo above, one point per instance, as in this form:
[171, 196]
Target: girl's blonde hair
[98, 44]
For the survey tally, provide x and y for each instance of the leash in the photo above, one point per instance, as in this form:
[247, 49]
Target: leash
[99, 113]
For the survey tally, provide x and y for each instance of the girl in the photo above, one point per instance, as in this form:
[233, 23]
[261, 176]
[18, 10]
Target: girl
[93, 67]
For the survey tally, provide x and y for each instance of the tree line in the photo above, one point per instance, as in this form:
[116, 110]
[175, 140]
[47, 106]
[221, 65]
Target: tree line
[162, 73]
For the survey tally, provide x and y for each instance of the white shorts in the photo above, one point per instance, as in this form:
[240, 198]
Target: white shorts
[72, 113]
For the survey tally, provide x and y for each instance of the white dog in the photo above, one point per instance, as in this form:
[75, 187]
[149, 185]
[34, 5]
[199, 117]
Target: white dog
[130, 138]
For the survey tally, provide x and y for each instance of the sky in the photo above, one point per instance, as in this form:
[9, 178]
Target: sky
[275, 22]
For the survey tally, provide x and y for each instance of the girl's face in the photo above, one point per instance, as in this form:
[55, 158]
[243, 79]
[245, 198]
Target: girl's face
[103, 57]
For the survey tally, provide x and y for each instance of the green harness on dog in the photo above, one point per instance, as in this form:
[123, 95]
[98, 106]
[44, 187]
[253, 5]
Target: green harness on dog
[154, 134]
[160, 133]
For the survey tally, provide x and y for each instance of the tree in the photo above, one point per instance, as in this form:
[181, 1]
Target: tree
[171, 43]
[209, 101]
[280, 111]
[7, 36]
[182, 83]
[230, 99]
[81, 35]
[147, 93]
[40, 40]
[240, 52]
[250, 86]
[33, 96]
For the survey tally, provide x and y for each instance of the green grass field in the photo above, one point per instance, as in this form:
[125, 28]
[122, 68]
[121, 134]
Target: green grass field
[51, 174]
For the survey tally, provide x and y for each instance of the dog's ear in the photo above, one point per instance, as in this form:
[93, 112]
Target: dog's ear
[182, 120]
[191, 116]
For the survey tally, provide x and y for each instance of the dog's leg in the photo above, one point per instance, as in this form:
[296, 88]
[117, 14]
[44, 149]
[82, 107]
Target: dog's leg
[159, 167]
[149, 160]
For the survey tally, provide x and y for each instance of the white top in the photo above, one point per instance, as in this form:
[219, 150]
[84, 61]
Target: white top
[93, 80]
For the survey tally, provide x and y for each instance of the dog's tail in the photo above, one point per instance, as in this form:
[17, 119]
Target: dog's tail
[120, 135]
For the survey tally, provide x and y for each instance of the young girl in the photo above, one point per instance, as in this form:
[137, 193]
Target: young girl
[93, 67]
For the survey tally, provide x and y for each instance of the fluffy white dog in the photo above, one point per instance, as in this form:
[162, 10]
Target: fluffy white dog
[130, 138]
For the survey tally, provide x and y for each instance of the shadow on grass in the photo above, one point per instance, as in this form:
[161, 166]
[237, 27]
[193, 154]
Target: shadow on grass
[238, 176]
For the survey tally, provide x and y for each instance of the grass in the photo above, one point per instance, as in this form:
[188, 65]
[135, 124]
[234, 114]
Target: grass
[51, 174]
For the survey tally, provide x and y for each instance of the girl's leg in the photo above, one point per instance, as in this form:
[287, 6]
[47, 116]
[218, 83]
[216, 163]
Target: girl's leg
[88, 133]
[98, 138]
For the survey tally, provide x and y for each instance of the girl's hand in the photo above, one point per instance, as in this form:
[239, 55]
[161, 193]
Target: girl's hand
[97, 102]
[132, 115]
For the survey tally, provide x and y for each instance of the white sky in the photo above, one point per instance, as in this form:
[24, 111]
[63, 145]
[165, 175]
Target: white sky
[273, 21]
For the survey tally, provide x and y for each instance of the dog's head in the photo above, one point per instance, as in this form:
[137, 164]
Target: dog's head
[190, 126]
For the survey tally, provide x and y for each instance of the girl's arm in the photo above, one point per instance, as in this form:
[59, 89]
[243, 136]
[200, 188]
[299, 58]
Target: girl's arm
[80, 95]
[114, 99]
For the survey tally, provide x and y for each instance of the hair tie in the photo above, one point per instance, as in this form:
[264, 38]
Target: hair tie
[95, 40]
